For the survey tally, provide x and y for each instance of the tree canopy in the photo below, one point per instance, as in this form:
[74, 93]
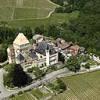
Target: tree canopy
[16, 76]
[86, 28]
[73, 64]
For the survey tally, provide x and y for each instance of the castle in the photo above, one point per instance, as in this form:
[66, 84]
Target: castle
[41, 53]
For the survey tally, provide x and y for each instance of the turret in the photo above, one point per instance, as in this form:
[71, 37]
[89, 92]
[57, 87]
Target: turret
[47, 56]
[11, 55]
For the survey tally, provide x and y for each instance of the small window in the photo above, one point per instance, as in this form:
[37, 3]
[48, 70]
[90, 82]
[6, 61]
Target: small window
[40, 56]
[42, 65]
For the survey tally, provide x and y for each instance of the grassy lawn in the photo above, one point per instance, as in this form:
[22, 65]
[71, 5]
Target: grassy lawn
[81, 87]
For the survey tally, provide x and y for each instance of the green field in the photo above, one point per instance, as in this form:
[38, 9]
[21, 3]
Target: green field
[23, 9]
[34, 94]
[81, 87]
[19, 13]
[54, 19]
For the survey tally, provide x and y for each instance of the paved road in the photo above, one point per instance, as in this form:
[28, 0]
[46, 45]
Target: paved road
[3, 90]
[4, 63]
[5, 93]
[49, 77]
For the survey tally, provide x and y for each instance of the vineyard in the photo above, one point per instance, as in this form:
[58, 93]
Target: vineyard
[25, 9]
[81, 87]
[33, 13]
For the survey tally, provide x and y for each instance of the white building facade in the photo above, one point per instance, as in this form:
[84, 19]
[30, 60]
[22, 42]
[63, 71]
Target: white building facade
[22, 52]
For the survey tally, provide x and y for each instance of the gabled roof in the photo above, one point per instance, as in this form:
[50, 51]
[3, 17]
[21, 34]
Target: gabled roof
[75, 47]
[32, 54]
[63, 44]
[20, 57]
[21, 39]
[43, 46]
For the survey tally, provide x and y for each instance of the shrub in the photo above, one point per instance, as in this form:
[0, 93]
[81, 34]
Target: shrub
[58, 86]
[30, 70]
[38, 73]
[87, 66]
[12, 96]
[20, 92]
[1, 66]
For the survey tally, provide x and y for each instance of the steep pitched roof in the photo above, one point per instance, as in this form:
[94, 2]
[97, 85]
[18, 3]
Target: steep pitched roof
[21, 39]
[75, 47]
[20, 57]
[32, 54]
[43, 46]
